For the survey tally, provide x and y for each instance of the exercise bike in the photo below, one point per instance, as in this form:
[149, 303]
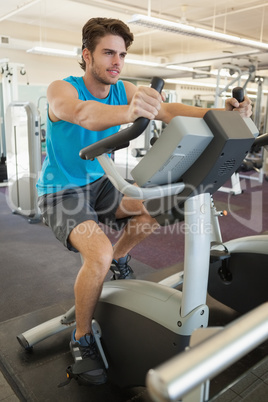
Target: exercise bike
[139, 324]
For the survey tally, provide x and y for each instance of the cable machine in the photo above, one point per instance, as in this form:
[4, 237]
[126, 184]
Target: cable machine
[21, 145]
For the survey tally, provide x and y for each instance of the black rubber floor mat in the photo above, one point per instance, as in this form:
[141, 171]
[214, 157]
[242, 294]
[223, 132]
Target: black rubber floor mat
[35, 375]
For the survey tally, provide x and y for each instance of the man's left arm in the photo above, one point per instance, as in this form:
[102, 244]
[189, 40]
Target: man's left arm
[170, 110]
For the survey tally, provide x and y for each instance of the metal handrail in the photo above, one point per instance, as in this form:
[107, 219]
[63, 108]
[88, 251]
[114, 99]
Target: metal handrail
[183, 373]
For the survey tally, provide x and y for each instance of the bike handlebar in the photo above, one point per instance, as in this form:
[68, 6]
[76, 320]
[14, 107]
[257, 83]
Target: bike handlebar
[238, 94]
[121, 138]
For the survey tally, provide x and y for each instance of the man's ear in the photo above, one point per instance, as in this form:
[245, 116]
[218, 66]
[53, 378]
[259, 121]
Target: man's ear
[86, 55]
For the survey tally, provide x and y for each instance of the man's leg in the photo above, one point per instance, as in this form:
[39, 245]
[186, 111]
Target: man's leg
[140, 226]
[97, 253]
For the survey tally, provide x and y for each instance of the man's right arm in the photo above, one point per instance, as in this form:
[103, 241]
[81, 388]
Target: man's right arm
[64, 105]
[92, 115]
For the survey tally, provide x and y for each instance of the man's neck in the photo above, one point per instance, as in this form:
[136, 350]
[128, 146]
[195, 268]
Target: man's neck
[96, 88]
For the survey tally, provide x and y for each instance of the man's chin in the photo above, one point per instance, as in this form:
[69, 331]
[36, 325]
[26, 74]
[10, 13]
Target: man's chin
[113, 78]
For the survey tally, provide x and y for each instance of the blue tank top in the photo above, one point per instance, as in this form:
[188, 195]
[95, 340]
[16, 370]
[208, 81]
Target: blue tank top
[62, 167]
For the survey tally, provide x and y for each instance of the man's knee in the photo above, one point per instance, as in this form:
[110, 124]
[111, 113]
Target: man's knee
[101, 254]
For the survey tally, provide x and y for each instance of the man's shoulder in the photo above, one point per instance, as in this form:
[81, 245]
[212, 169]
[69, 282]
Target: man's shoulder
[73, 80]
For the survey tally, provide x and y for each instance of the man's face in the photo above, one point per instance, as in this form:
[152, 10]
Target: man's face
[107, 60]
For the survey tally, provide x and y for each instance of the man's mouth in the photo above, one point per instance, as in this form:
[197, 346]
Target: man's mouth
[113, 72]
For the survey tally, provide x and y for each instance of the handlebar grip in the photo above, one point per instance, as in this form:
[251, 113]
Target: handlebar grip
[121, 138]
[238, 94]
[157, 83]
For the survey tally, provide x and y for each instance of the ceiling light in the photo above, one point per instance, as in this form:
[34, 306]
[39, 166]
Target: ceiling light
[184, 29]
[18, 9]
[49, 51]
[190, 83]
[180, 68]
[209, 85]
[143, 63]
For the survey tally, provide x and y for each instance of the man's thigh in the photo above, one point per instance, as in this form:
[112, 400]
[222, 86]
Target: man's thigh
[88, 237]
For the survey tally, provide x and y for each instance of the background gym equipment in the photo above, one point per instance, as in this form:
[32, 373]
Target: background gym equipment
[147, 308]
[9, 92]
[254, 160]
[23, 144]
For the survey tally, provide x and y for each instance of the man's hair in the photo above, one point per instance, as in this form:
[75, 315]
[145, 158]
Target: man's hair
[97, 28]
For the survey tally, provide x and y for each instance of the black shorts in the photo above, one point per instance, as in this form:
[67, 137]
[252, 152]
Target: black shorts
[64, 210]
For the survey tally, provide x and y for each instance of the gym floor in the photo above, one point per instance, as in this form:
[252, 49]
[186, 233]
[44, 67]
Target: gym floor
[6, 392]
[37, 276]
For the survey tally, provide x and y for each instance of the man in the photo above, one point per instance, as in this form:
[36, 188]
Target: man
[73, 194]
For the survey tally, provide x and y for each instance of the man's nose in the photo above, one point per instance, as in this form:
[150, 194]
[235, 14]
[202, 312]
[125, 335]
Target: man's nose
[116, 59]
